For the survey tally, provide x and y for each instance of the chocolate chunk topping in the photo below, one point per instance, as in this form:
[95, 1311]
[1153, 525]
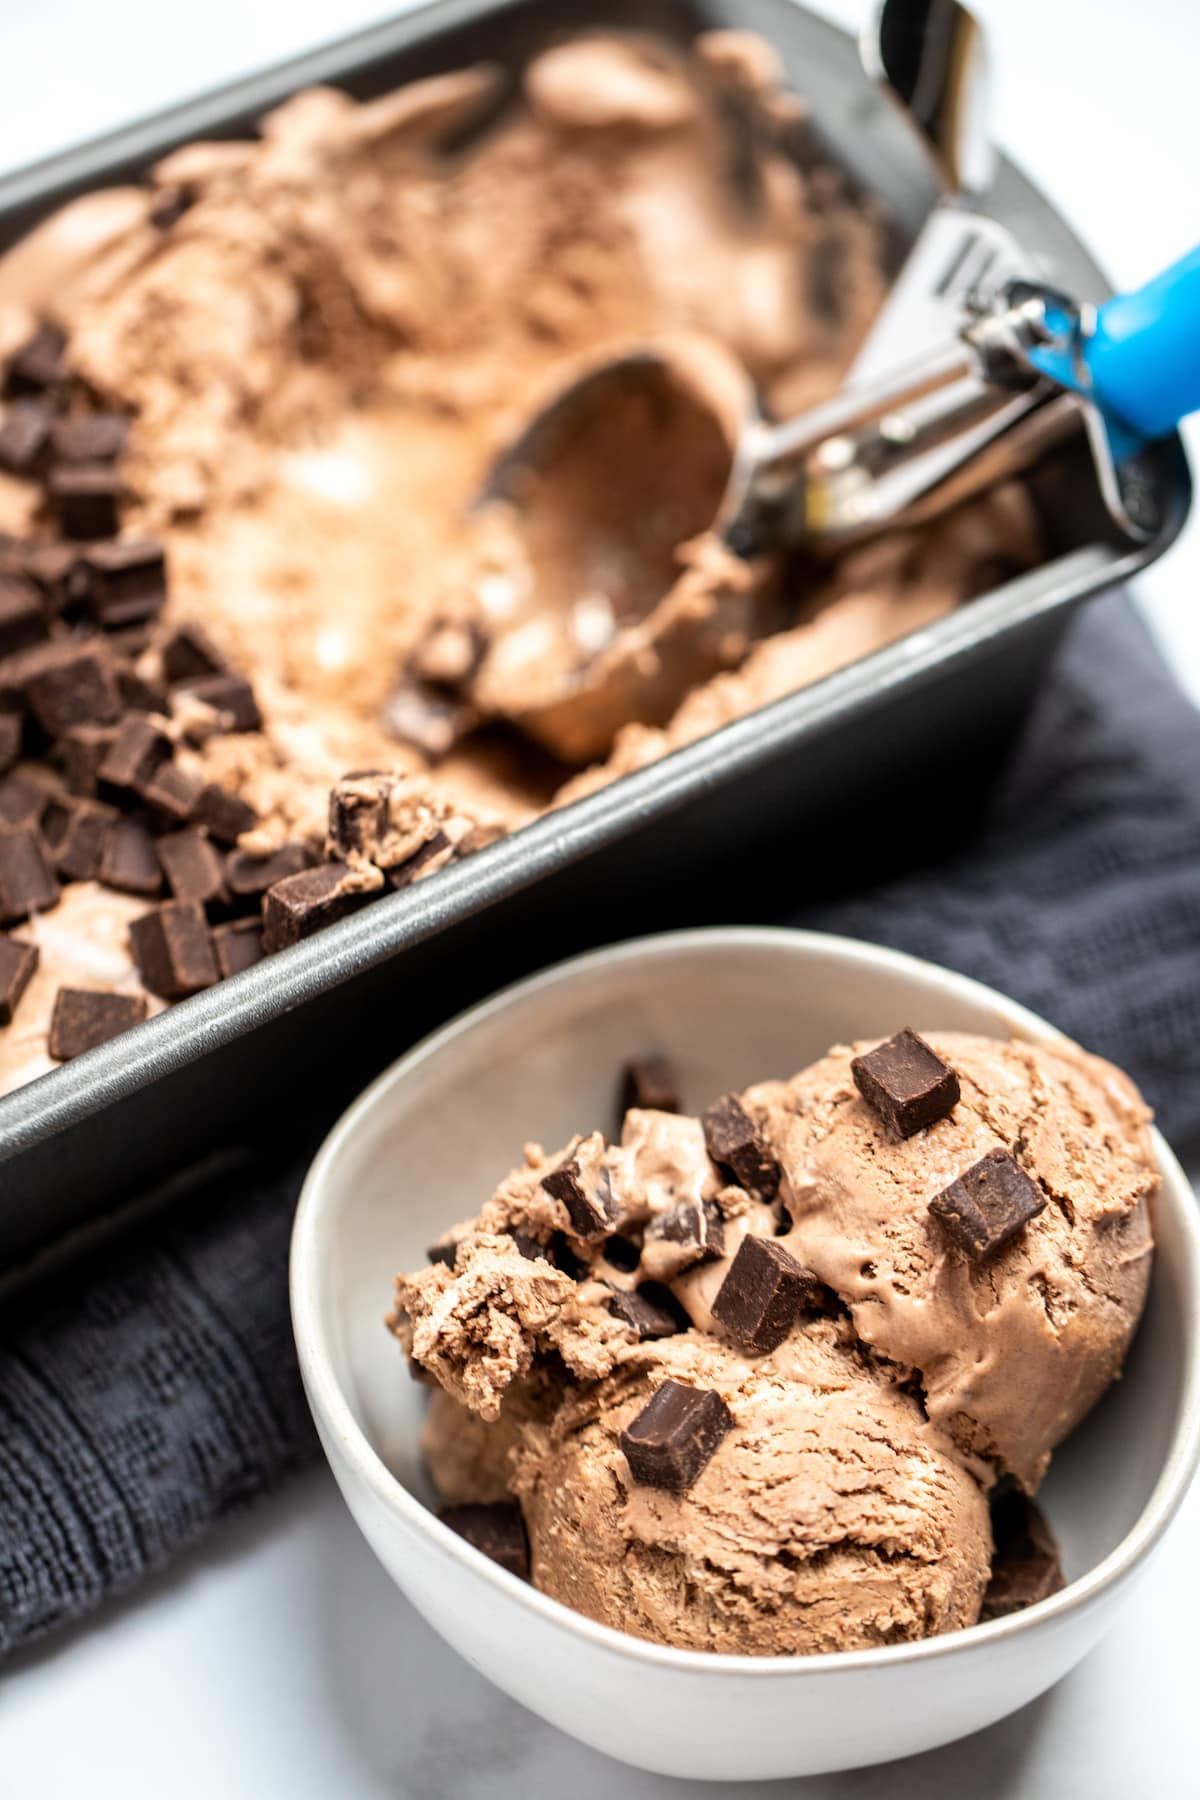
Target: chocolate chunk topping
[230, 697]
[432, 720]
[22, 801]
[732, 1139]
[675, 1436]
[125, 582]
[172, 793]
[223, 814]
[1027, 1566]
[138, 749]
[17, 965]
[22, 618]
[592, 1210]
[359, 813]
[139, 693]
[528, 1246]
[26, 882]
[91, 437]
[190, 653]
[85, 498]
[444, 1253]
[697, 1230]
[307, 902]
[38, 364]
[82, 750]
[10, 739]
[55, 571]
[173, 951]
[129, 862]
[72, 684]
[622, 1253]
[434, 852]
[76, 832]
[764, 1293]
[255, 874]
[238, 946]
[193, 868]
[906, 1083]
[988, 1206]
[24, 438]
[645, 1312]
[85, 1017]
[497, 1529]
[649, 1083]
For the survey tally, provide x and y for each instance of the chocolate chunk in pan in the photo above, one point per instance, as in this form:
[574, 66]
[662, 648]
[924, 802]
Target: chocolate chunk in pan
[432, 720]
[988, 1205]
[38, 364]
[255, 874]
[69, 684]
[308, 902]
[434, 853]
[173, 950]
[24, 437]
[17, 965]
[86, 500]
[84, 1018]
[529, 1247]
[139, 748]
[675, 1436]
[1027, 1566]
[231, 698]
[733, 1140]
[91, 437]
[764, 1293]
[125, 582]
[11, 731]
[590, 1204]
[55, 571]
[497, 1529]
[359, 814]
[695, 1232]
[23, 618]
[81, 751]
[649, 1083]
[130, 862]
[22, 800]
[75, 832]
[224, 816]
[906, 1083]
[238, 946]
[27, 883]
[646, 1311]
[190, 654]
[444, 1252]
[139, 693]
[622, 1253]
[193, 867]
[172, 793]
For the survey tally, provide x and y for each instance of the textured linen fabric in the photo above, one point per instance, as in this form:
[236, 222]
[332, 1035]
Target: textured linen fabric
[151, 1389]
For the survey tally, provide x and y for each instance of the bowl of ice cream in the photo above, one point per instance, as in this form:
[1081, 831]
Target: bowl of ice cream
[783, 1576]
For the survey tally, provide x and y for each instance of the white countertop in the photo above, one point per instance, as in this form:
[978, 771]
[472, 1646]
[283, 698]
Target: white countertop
[278, 1659]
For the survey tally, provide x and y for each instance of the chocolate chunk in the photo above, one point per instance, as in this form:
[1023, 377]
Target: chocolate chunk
[130, 862]
[24, 438]
[238, 946]
[255, 874]
[192, 866]
[444, 1253]
[22, 801]
[563, 1257]
[230, 697]
[86, 1017]
[675, 1436]
[38, 364]
[645, 1312]
[433, 854]
[1027, 1566]
[649, 1083]
[427, 717]
[139, 693]
[764, 1293]
[190, 653]
[223, 815]
[622, 1253]
[91, 437]
[169, 206]
[22, 615]
[125, 582]
[359, 814]
[906, 1083]
[27, 884]
[697, 1232]
[76, 832]
[988, 1206]
[497, 1529]
[56, 572]
[138, 749]
[81, 751]
[85, 499]
[305, 903]
[17, 965]
[528, 1246]
[732, 1139]
[72, 684]
[10, 738]
[172, 793]
[592, 1210]
[173, 950]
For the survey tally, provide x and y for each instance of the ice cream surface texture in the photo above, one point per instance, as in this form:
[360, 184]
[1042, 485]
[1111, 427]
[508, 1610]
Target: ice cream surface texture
[753, 1378]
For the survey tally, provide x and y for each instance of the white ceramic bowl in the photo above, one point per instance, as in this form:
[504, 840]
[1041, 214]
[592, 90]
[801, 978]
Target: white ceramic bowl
[424, 1146]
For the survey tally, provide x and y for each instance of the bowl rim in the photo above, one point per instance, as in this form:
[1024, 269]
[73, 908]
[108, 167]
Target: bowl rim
[327, 1399]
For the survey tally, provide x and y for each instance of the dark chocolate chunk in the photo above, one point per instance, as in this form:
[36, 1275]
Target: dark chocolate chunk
[305, 903]
[675, 1436]
[173, 950]
[172, 793]
[649, 1083]
[230, 697]
[85, 498]
[644, 1312]
[72, 684]
[359, 814]
[432, 720]
[139, 693]
[22, 801]
[698, 1231]
[76, 832]
[988, 1206]
[55, 571]
[86, 1017]
[27, 884]
[906, 1083]
[10, 738]
[192, 866]
[130, 862]
[238, 946]
[17, 965]
[529, 1247]
[444, 1253]
[434, 852]
[189, 653]
[81, 751]
[497, 1529]
[622, 1253]
[222, 814]
[138, 749]
[764, 1293]
[255, 874]
[91, 437]
[592, 1210]
[22, 615]
[125, 582]
[24, 437]
[733, 1141]
[1027, 1566]
[38, 364]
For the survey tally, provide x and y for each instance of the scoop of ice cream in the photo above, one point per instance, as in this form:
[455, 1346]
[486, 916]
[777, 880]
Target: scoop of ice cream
[831, 1517]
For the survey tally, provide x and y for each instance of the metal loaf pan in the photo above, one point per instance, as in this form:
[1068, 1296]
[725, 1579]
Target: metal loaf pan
[739, 826]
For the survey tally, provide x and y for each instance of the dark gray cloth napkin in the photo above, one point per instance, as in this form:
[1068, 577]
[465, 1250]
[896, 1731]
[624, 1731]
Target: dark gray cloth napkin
[152, 1390]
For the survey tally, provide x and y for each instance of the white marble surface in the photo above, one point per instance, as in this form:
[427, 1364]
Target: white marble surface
[277, 1659]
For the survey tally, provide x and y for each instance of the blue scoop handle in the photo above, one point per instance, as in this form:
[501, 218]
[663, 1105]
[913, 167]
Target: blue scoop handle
[1144, 356]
